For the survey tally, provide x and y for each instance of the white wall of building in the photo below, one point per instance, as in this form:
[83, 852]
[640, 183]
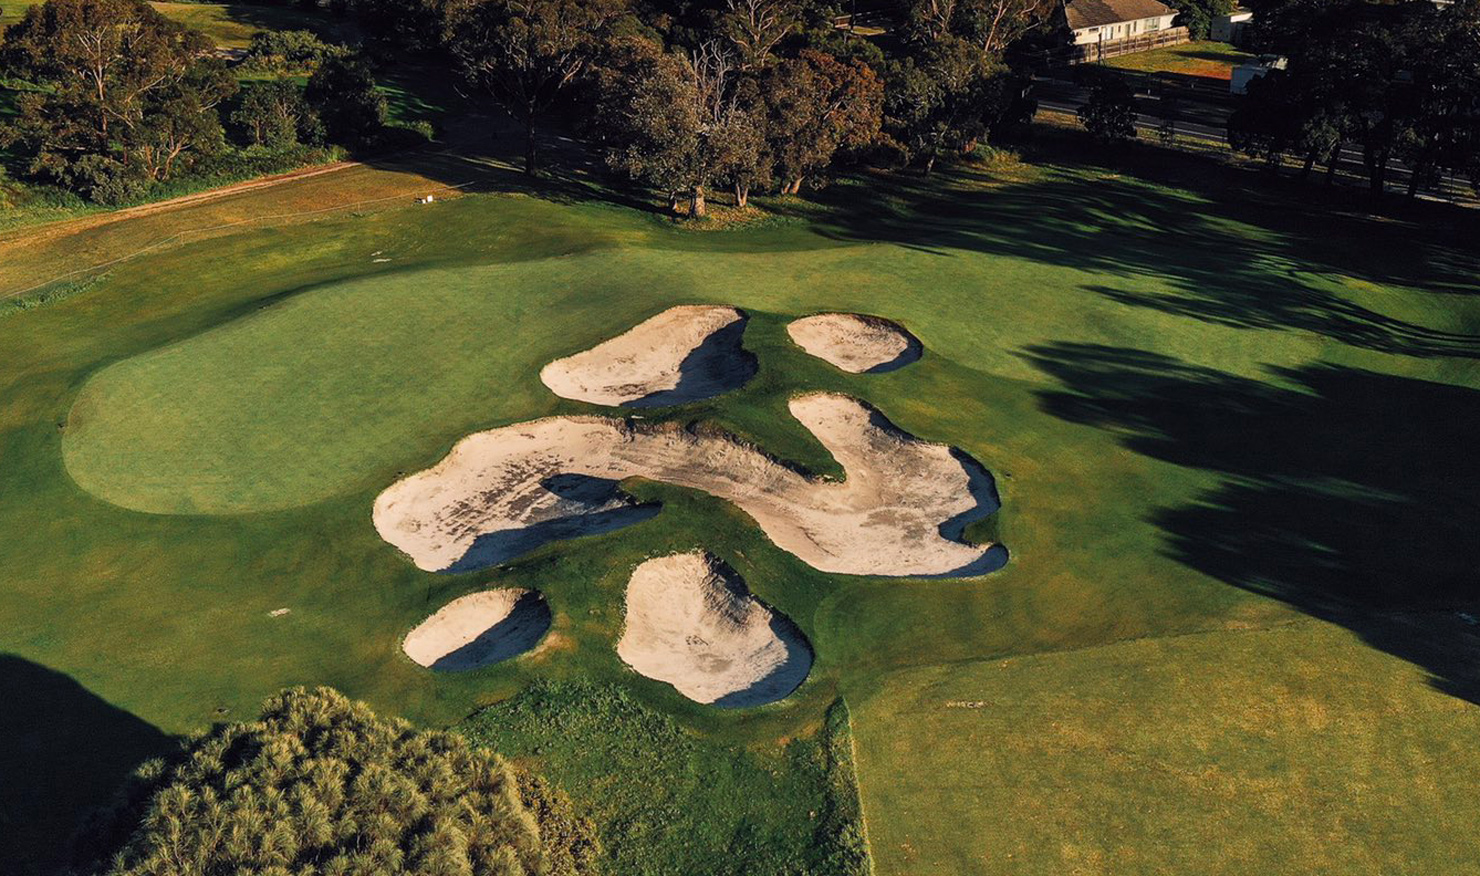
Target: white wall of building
[1122, 30]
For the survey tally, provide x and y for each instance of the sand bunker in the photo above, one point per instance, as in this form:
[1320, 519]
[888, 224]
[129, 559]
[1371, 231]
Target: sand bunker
[855, 343]
[692, 622]
[479, 629]
[900, 511]
[683, 354]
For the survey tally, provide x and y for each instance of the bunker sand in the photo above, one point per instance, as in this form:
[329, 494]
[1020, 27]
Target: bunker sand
[855, 343]
[479, 629]
[683, 354]
[899, 511]
[692, 622]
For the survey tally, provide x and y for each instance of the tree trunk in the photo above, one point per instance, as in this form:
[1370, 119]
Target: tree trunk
[1310, 162]
[697, 209]
[742, 195]
[673, 202]
[529, 147]
[1332, 162]
[929, 165]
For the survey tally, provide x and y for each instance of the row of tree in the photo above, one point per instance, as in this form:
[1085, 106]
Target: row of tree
[1395, 81]
[752, 95]
[119, 97]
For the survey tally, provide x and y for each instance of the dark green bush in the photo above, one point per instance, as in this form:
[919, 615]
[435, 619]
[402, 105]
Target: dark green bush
[320, 785]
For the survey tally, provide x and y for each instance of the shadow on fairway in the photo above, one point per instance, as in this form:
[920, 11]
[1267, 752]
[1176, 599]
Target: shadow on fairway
[63, 751]
[1348, 494]
[1190, 251]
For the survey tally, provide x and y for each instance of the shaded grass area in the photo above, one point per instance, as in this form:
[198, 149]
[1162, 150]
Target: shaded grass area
[1288, 750]
[1207, 58]
[1087, 336]
[668, 801]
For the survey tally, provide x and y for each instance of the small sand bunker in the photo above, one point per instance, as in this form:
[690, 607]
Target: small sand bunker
[683, 354]
[900, 510]
[855, 343]
[479, 629]
[692, 622]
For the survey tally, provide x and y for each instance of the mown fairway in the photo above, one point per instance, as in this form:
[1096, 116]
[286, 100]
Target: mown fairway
[1210, 416]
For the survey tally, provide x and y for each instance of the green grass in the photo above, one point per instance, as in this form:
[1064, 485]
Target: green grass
[1207, 58]
[666, 800]
[1208, 405]
[1295, 749]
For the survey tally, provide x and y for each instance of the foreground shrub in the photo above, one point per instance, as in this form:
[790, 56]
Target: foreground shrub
[320, 785]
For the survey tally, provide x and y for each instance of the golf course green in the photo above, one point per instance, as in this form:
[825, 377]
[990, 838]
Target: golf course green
[1232, 436]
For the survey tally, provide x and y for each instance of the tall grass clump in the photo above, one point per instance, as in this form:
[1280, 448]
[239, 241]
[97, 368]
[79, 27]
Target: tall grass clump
[320, 785]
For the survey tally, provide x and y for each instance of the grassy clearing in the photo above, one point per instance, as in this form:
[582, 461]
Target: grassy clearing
[1204, 408]
[1208, 58]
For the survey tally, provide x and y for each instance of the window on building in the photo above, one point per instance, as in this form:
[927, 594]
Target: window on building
[1153, 24]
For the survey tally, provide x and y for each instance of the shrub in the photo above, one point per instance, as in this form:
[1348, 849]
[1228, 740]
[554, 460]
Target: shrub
[320, 785]
[1110, 113]
[283, 50]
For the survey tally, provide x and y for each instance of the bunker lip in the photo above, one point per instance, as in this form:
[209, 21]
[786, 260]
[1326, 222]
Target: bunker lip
[899, 512]
[855, 342]
[479, 629]
[691, 622]
[684, 354]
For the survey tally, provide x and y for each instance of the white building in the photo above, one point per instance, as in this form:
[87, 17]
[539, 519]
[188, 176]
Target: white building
[1105, 21]
[1230, 28]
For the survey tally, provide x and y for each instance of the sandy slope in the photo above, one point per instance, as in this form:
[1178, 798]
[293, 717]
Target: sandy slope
[692, 622]
[899, 511]
[683, 354]
[855, 343]
[479, 629]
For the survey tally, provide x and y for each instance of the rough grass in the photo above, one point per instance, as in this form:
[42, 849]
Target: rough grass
[1207, 58]
[666, 800]
[1295, 749]
[1204, 406]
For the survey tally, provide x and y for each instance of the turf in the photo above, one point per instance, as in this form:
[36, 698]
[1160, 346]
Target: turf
[1205, 408]
[1238, 751]
[668, 801]
[1206, 58]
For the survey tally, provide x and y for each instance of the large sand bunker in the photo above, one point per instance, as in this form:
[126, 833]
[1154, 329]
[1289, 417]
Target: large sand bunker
[855, 343]
[479, 629]
[900, 510]
[692, 622]
[683, 354]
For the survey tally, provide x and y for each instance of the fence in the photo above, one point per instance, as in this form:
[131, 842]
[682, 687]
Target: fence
[1099, 51]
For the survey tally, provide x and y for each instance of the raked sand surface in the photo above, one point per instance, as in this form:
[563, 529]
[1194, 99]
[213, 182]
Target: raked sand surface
[899, 511]
[683, 354]
[693, 623]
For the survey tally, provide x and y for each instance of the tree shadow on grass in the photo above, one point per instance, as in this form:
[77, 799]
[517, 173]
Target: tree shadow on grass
[1346, 493]
[63, 751]
[1217, 244]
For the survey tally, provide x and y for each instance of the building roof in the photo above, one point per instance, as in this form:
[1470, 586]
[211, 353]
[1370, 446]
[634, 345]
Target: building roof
[1094, 13]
